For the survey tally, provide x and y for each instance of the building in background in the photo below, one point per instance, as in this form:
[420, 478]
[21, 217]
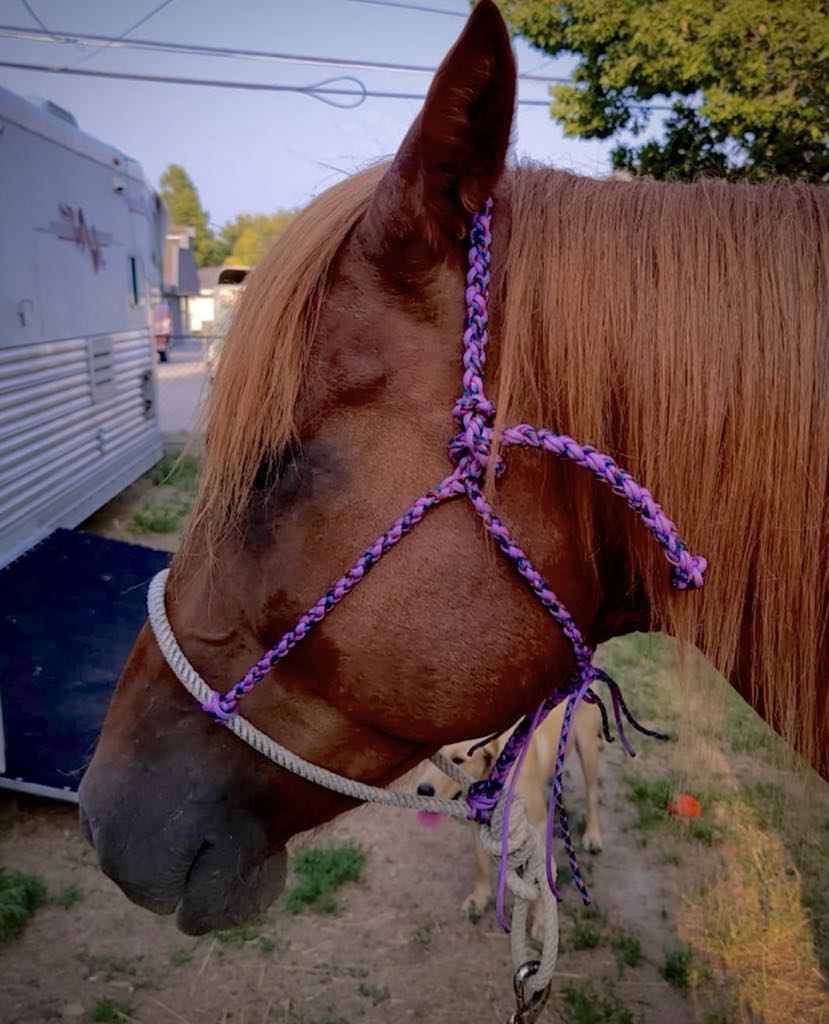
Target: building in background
[181, 279]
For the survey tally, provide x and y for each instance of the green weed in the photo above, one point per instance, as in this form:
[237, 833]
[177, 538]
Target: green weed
[161, 518]
[320, 872]
[179, 957]
[20, 896]
[628, 950]
[68, 897]
[588, 929]
[177, 470]
[682, 969]
[582, 1005]
[108, 1011]
[248, 932]
[376, 995]
[650, 797]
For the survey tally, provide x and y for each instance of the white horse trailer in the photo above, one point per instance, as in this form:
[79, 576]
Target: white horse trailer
[81, 236]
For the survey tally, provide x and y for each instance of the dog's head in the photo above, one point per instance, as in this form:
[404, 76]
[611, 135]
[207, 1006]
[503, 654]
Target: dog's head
[475, 757]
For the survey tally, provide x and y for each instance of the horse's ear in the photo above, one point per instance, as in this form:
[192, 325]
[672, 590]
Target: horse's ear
[454, 153]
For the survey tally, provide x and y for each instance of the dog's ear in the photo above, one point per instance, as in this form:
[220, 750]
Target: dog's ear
[491, 752]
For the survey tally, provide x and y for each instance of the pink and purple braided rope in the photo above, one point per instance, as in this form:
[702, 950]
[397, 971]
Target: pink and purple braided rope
[470, 450]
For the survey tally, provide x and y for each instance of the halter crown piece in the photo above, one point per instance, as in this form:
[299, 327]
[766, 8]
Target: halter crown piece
[470, 451]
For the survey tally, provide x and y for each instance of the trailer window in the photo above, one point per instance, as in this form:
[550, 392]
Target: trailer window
[133, 281]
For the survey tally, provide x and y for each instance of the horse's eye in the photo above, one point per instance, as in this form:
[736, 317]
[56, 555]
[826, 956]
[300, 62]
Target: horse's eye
[457, 760]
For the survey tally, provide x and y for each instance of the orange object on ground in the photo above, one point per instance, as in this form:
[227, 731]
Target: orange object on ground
[685, 806]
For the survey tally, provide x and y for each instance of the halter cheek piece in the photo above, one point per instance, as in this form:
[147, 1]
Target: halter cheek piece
[470, 450]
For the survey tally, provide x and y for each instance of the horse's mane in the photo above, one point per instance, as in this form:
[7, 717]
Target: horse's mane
[683, 328]
[250, 411]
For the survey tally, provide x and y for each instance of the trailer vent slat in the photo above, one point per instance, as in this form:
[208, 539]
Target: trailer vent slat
[101, 368]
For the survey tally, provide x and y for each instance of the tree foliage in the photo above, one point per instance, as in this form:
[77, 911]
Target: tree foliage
[243, 241]
[184, 208]
[249, 236]
[748, 81]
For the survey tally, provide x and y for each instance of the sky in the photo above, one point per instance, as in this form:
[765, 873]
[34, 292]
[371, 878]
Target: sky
[258, 152]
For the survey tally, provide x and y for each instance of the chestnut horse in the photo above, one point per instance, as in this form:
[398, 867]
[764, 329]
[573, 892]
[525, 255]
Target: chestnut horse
[682, 328]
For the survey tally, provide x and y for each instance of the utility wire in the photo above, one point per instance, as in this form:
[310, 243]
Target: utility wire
[414, 7]
[137, 24]
[197, 49]
[317, 90]
[34, 17]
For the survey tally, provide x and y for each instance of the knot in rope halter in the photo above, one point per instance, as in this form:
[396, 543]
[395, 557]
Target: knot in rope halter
[526, 865]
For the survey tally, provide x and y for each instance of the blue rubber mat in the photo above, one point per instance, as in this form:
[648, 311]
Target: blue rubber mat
[70, 610]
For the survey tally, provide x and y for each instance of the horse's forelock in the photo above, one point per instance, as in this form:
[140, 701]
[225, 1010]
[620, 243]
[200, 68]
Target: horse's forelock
[250, 413]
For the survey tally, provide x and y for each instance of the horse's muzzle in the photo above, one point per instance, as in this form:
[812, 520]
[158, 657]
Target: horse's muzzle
[202, 859]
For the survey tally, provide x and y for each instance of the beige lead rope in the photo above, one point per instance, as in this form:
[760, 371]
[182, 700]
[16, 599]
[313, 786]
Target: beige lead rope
[526, 867]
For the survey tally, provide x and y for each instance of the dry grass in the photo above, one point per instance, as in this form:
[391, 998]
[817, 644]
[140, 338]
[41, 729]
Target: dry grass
[751, 924]
[755, 907]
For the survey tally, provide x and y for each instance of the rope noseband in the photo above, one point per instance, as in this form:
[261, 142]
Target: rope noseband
[470, 451]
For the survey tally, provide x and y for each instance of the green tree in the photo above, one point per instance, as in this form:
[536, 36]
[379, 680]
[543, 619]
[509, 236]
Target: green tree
[748, 81]
[249, 236]
[184, 208]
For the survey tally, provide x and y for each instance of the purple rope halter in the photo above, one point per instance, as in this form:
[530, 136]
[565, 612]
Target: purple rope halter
[470, 451]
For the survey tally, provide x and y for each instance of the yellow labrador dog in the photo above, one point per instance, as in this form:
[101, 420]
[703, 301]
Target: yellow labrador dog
[533, 784]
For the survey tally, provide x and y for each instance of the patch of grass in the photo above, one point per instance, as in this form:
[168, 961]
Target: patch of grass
[628, 950]
[320, 872]
[706, 832]
[164, 517]
[179, 957]
[650, 797]
[177, 470]
[112, 968]
[67, 897]
[582, 1005]
[682, 969]
[250, 931]
[20, 896]
[423, 934]
[267, 945]
[376, 995]
[109, 1011]
[588, 929]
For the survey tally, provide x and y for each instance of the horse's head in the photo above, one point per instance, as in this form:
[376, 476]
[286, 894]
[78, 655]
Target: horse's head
[331, 413]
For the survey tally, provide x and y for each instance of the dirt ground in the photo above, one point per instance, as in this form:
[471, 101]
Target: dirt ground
[399, 950]
[724, 921]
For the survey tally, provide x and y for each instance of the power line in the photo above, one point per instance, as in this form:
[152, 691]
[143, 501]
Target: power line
[137, 24]
[317, 91]
[413, 7]
[34, 17]
[203, 50]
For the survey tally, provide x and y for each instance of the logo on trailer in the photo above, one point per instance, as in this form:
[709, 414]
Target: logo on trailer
[73, 227]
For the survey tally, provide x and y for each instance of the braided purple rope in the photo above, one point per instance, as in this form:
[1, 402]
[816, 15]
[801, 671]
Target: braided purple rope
[471, 450]
[225, 707]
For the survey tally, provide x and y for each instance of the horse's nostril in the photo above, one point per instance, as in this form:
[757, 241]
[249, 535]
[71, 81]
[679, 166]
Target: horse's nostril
[425, 789]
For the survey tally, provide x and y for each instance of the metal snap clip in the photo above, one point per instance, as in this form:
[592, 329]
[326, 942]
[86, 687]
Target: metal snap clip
[528, 1008]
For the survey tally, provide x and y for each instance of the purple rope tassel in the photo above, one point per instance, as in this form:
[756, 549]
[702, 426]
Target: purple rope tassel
[470, 451]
